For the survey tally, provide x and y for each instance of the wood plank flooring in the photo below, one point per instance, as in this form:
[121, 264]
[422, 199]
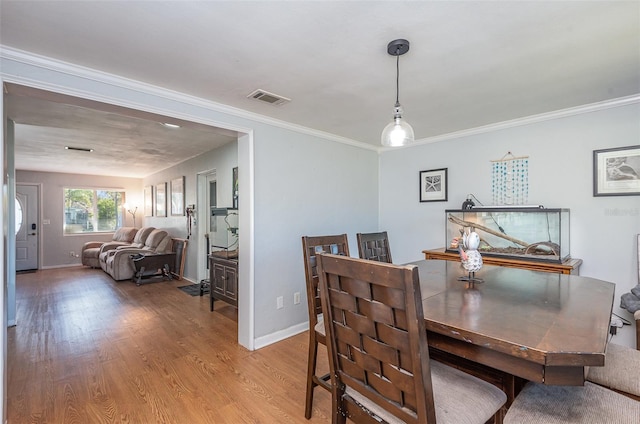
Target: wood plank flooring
[87, 349]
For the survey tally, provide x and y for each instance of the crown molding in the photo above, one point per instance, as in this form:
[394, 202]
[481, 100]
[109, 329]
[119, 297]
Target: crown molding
[101, 77]
[533, 119]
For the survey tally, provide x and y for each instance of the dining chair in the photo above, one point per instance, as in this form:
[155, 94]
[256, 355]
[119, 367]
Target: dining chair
[374, 246]
[615, 374]
[378, 352]
[619, 360]
[311, 245]
[542, 404]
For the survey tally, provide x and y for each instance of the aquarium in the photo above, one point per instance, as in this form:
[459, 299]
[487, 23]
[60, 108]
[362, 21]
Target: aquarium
[529, 233]
[224, 231]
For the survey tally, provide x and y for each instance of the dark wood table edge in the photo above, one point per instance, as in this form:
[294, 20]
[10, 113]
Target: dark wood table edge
[570, 266]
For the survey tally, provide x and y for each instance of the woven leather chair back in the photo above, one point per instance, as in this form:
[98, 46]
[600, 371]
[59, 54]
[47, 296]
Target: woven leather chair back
[311, 245]
[376, 337]
[374, 246]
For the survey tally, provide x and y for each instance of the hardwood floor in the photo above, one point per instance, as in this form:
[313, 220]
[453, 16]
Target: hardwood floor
[87, 349]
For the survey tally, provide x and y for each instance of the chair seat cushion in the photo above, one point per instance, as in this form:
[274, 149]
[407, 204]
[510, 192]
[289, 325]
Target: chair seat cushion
[92, 252]
[459, 398]
[588, 404]
[621, 370]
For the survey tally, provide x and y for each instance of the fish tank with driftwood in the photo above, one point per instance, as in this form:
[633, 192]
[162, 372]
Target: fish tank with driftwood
[223, 237]
[529, 233]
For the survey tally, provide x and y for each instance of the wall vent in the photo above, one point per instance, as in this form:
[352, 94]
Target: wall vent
[79, 149]
[265, 96]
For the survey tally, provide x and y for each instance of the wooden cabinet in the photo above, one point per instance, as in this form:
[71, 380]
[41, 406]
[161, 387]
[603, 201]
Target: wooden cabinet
[223, 277]
[570, 266]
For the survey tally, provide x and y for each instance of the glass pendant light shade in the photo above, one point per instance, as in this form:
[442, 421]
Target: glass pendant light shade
[398, 132]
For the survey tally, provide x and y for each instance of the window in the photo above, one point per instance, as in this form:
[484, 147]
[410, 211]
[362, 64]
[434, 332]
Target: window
[92, 211]
[19, 216]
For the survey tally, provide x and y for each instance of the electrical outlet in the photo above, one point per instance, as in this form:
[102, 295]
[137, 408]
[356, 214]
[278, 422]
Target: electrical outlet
[296, 298]
[280, 302]
[72, 254]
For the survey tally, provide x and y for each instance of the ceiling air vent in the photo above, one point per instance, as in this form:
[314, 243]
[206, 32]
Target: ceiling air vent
[79, 149]
[265, 96]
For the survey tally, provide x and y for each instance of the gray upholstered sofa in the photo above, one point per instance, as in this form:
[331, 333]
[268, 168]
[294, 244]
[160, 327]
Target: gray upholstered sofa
[91, 250]
[117, 262]
[137, 242]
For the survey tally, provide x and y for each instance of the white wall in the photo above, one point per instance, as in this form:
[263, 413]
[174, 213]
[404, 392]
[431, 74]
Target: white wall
[55, 245]
[560, 176]
[222, 159]
[304, 186]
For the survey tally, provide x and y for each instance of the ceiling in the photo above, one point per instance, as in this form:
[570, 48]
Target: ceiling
[471, 64]
[125, 142]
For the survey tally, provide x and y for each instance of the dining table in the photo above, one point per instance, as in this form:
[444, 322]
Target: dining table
[515, 325]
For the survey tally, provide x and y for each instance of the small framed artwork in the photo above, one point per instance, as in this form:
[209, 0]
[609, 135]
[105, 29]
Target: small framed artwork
[148, 201]
[234, 188]
[433, 185]
[177, 196]
[161, 199]
[616, 172]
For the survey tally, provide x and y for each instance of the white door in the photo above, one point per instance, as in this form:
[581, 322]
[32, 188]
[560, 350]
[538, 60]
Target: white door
[26, 227]
[207, 198]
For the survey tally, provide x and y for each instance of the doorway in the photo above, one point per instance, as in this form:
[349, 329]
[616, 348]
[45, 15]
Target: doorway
[27, 227]
[207, 198]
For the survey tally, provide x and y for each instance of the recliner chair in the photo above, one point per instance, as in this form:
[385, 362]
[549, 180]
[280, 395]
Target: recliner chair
[91, 250]
[137, 242]
[118, 262]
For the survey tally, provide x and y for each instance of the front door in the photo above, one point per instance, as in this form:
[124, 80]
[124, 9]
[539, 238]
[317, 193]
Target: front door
[27, 227]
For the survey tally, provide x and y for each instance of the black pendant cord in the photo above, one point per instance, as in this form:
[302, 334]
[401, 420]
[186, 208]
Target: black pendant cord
[397, 76]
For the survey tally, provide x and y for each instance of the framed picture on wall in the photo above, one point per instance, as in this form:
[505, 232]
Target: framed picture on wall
[177, 196]
[161, 199]
[616, 172]
[234, 188]
[433, 185]
[148, 201]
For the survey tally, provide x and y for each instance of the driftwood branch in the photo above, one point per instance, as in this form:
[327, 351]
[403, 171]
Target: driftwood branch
[486, 230]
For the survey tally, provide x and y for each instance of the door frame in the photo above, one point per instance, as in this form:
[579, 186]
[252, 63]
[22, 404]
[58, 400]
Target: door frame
[202, 208]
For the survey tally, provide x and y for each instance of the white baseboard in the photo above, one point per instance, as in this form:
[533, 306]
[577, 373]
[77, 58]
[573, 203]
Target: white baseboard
[187, 280]
[263, 341]
[60, 266]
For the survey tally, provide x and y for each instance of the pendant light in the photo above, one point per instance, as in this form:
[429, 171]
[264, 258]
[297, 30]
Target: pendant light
[398, 132]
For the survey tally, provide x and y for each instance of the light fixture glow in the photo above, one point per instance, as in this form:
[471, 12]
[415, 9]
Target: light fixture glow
[398, 132]
[132, 212]
[168, 125]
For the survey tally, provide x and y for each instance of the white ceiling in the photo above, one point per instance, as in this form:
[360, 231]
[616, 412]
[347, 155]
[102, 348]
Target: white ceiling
[471, 63]
[125, 142]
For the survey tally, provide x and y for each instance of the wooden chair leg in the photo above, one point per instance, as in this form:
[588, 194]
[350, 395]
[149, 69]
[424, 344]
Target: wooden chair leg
[336, 410]
[311, 372]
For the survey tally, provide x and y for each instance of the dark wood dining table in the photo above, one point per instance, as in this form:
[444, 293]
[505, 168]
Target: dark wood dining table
[535, 326]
